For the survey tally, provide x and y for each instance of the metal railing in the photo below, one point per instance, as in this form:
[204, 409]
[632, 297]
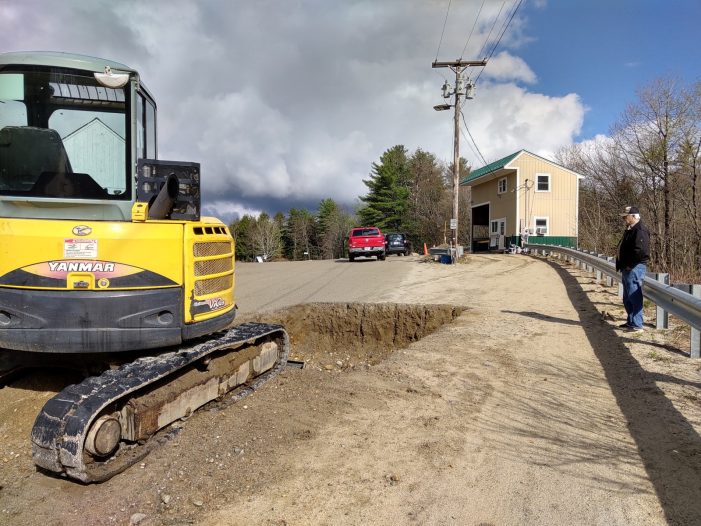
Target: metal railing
[668, 298]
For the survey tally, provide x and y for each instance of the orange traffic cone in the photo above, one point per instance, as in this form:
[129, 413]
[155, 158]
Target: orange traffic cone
[425, 250]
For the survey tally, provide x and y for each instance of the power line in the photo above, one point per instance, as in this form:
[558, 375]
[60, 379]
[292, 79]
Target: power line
[470, 146]
[505, 26]
[443, 32]
[471, 31]
[513, 14]
[486, 41]
[473, 139]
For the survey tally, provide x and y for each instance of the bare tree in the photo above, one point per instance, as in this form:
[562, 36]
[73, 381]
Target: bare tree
[650, 137]
[299, 232]
[266, 236]
[652, 160]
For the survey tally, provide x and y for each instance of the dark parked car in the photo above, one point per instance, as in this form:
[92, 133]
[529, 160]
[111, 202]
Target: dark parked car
[397, 244]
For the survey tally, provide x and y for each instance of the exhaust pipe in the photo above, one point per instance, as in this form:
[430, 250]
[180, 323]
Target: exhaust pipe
[162, 205]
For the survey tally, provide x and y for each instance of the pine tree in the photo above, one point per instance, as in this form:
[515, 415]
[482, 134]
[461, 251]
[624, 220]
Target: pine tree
[241, 231]
[387, 200]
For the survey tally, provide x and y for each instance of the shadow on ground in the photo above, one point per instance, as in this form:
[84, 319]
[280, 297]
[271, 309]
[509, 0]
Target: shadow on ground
[667, 443]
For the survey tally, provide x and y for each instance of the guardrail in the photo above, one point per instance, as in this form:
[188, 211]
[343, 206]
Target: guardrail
[668, 298]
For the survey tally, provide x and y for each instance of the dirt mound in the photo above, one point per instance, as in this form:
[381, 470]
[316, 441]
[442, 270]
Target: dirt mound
[347, 335]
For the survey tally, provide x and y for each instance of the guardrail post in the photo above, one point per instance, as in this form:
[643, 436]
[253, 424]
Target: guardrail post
[609, 279]
[662, 316]
[598, 272]
[694, 290]
[695, 333]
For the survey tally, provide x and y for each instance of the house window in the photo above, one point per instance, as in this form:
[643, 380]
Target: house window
[495, 227]
[501, 186]
[541, 226]
[542, 182]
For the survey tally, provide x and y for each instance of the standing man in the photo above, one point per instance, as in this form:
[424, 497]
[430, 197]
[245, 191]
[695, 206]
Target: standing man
[633, 255]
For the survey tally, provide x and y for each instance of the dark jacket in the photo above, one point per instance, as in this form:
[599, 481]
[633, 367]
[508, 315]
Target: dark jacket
[634, 247]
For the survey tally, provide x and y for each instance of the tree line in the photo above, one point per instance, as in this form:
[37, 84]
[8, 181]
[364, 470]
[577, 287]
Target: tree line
[650, 160]
[408, 192]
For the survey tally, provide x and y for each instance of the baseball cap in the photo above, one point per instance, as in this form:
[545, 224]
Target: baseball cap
[630, 210]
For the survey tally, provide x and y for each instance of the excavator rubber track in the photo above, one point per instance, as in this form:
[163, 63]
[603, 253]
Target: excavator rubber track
[64, 439]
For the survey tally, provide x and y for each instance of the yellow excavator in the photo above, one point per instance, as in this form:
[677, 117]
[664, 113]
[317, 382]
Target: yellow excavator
[107, 266]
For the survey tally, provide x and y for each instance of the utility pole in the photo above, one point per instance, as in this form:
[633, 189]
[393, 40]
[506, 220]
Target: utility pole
[461, 89]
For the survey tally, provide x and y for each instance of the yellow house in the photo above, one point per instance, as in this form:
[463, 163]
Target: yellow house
[523, 197]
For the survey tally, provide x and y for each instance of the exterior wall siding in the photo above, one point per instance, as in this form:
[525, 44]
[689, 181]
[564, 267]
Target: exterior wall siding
[106, 165]
[559, 205]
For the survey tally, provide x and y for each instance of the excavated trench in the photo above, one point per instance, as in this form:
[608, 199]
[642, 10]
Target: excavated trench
[347, 335]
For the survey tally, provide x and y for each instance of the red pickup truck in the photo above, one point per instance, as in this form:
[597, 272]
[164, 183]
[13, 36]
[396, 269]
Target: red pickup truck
[366, 241]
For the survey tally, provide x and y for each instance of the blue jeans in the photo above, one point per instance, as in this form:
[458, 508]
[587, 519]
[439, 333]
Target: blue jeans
[633, 294]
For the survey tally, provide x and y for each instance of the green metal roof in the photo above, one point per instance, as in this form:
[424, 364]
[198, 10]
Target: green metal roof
[491, 167]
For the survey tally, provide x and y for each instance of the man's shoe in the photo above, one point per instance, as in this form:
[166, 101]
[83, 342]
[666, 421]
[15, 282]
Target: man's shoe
[624, 325]
[635, 329]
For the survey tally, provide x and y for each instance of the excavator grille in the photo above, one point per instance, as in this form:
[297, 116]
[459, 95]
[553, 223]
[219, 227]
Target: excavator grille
[214, 248]
[213, 285]
[213, 266]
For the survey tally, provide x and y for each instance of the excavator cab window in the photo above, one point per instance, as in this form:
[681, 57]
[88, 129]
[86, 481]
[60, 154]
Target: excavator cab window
[62, 135]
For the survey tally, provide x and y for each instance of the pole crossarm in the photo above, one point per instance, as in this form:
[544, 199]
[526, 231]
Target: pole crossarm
[458, 63]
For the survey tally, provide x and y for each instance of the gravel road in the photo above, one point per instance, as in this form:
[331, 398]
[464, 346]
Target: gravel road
[531, 407]
[269, 286]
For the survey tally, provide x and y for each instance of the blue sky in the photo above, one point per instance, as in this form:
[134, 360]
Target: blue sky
[285, 103]
[604, 50]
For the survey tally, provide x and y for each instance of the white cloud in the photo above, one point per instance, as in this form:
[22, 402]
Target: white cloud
[597, 144]
[227, 210]
[506, 118]
[506, 67]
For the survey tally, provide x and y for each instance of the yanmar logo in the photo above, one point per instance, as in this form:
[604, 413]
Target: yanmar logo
[82, 230]
[80, 266]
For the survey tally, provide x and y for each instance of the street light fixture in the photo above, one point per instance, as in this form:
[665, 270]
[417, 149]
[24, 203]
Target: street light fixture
[442, 107]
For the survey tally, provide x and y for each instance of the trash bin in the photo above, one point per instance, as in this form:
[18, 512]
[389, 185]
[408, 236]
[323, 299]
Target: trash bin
[445, 259]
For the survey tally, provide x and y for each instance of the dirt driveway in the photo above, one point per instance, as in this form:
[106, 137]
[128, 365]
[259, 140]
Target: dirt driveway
[531, 407]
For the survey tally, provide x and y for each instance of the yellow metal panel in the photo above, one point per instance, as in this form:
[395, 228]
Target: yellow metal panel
[111, 251]
[209, 270]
